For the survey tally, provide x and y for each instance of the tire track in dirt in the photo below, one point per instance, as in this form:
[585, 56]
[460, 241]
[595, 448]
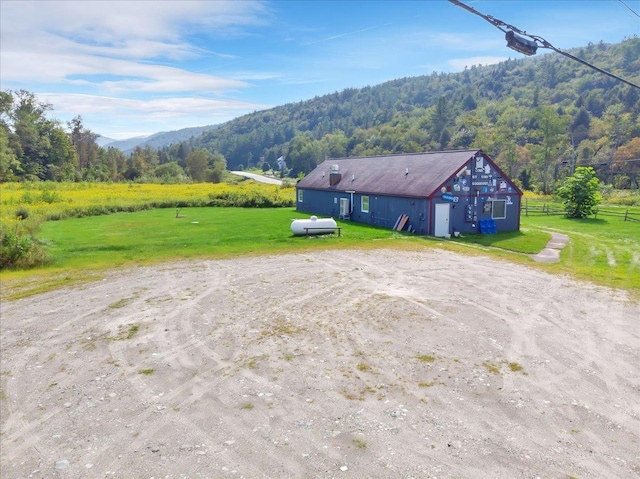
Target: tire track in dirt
[300, 365]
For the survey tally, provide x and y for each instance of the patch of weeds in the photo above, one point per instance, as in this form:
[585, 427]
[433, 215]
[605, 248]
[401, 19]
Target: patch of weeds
[497, 368]
[515, 367]
[89, 343]
[427, 384]
[252, 363]
[351, 396]
[248, 406]
[147, 372]
[425, 358]
[280, 327]
[492, 368]
[360, 443]
[53, 384]
[133, 329]
[125, 333]
[288, 357]
[121, 303]
[363, 367]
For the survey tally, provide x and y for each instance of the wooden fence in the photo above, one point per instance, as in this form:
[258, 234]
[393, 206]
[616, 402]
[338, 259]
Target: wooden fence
[540, 209]
[616, 213]
[553, 209]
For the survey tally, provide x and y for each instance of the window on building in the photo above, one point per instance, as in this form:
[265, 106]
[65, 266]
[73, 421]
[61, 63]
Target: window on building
[499, 210]
[300, 196]
[365, 204]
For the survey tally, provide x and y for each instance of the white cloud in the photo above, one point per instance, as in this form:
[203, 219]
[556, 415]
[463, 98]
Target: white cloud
[99, 72]
[112, 116]
[52, 41]
[71, 103]
[129, 59]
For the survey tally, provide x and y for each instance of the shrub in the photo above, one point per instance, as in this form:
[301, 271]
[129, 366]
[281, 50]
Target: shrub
[22, 213]
[580, 192]
[18, 249]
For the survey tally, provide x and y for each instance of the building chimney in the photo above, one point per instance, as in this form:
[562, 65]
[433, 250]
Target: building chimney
[334, 176]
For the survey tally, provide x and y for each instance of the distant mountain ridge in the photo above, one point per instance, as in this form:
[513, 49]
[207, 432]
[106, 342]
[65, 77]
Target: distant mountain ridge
[157, 140]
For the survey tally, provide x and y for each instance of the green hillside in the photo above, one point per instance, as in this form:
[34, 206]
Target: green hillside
[537, 117]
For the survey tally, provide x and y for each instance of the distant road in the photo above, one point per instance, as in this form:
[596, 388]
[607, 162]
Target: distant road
[259, 178]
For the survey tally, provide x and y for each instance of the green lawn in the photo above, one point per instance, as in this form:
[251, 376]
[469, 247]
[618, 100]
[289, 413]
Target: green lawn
[153, 236]
[605, 251]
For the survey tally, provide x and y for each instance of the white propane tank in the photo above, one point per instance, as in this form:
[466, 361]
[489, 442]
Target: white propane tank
[313, 226]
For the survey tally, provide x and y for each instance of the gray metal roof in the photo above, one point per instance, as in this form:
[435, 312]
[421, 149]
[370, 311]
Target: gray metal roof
[410, 174]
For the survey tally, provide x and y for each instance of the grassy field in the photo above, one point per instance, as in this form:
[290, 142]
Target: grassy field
[54, 201]
[605, 251]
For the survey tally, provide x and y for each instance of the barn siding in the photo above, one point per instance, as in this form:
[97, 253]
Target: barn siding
[469, 191]
[383, 210]
[482, 183]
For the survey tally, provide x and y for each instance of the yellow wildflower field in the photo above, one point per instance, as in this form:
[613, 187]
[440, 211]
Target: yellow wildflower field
[51, 201]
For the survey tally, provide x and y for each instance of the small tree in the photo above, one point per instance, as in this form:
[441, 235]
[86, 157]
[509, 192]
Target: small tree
[580, 192]
[196, 165]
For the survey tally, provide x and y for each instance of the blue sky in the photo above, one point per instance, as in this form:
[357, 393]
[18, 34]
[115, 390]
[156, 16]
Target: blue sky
[139, 67]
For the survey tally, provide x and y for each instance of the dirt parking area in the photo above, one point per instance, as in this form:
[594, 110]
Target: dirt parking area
[338, 364]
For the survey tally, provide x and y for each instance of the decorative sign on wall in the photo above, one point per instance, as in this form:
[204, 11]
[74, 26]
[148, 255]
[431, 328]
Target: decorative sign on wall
[450, 197]
[469, 214]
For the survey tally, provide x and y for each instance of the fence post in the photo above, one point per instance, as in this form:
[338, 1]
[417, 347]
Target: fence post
[626, 214]
[595, 214]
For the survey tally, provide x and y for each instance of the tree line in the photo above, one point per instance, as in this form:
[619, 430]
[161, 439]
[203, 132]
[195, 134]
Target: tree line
[34, 147]
[538, 117]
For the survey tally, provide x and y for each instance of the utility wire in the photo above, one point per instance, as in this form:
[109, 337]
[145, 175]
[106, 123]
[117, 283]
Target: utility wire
[505, 27]
[630, 9]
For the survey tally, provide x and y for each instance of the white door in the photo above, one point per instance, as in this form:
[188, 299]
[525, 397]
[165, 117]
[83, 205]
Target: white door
[442, 220]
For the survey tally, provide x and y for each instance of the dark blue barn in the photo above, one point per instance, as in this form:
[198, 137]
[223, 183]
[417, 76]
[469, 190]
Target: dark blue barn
[435, 193]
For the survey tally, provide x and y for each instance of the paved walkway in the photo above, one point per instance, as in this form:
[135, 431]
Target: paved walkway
[551, 252]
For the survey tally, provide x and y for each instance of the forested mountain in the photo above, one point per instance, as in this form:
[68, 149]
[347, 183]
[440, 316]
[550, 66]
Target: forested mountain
[159, 140]
[538, 117]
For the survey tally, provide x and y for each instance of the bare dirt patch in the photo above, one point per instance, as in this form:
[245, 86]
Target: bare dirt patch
[331, 364]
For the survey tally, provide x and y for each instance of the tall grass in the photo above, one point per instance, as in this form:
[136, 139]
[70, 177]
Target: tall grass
[56, 201]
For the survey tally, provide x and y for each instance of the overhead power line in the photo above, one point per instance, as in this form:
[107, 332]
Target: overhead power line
[630, 9]
[529, 47]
